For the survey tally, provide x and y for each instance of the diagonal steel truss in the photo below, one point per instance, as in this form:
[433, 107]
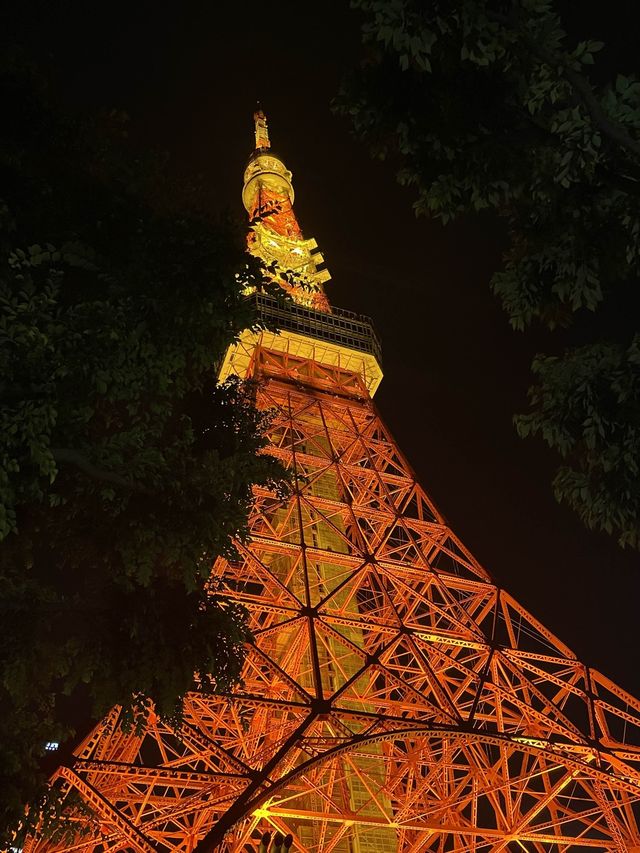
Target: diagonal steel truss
[393, 698]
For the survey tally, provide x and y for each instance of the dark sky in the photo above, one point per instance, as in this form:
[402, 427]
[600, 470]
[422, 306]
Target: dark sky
[189, 75]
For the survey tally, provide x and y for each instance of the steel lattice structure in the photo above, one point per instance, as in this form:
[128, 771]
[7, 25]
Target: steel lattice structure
[393, 698]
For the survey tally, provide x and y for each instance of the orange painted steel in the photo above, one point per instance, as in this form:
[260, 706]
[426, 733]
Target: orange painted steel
[393, 698]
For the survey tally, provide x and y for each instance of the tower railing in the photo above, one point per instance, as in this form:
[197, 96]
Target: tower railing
[341, 327]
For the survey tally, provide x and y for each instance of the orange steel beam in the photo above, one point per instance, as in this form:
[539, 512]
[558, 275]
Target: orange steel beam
[393, 697]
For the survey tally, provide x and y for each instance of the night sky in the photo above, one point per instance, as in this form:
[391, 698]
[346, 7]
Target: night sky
[455, 373]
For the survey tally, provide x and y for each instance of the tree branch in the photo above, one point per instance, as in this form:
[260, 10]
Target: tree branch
[73, 457]
[612, 129]
[581, 85]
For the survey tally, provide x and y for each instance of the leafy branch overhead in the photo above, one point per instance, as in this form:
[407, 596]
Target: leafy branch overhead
[125, 468]
[487, 106]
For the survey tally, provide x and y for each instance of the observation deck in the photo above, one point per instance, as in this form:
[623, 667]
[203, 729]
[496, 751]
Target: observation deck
[340, 338]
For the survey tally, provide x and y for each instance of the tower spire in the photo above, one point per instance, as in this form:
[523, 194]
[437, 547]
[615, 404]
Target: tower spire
[261, 129]
[275, 235]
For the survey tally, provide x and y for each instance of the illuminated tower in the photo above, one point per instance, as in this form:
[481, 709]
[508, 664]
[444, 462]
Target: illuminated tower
[393, 698]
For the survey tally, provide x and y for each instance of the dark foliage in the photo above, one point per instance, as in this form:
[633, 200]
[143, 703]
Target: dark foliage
[485, 106]
[125, 467]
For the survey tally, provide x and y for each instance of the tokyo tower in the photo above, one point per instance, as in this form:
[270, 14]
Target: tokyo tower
[394, 698]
